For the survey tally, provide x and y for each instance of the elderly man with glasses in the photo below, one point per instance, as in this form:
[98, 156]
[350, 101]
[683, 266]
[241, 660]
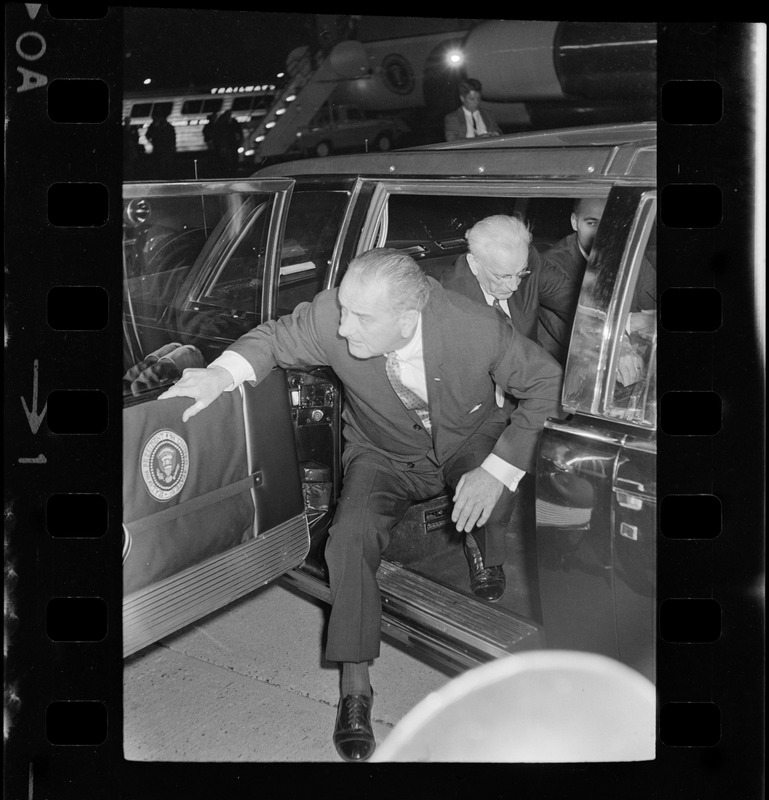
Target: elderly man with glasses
[503, 270]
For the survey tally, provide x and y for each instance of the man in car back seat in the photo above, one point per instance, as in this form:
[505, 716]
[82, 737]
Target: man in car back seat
[501, 269]
[419, 367]
[570, 257]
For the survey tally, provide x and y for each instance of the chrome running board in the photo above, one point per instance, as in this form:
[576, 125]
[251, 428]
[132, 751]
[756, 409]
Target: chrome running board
[435, 620]
[162, 608]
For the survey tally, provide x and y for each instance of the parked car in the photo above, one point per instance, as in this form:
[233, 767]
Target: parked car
[245, 492]
[341, 128]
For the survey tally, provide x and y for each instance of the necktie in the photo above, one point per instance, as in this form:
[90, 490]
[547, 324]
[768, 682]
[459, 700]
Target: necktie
[411, 400]
[472, 125]
[498, 392]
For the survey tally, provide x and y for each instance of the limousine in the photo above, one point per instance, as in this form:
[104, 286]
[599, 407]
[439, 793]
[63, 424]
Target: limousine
[244, 494]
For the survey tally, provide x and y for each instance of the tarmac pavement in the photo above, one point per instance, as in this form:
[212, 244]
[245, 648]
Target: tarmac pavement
[249, 684]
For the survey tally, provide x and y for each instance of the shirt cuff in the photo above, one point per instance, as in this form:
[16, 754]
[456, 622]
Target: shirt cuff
[237, 366]
[503, 471]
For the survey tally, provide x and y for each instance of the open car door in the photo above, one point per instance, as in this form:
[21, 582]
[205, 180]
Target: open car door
[212, 508]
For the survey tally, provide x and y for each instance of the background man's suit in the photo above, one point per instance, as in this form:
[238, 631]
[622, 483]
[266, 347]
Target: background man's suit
[554, 328]
[555, 325]
[455, 124]
[390, 459]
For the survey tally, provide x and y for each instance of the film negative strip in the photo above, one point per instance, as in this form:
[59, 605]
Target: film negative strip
[63, 501]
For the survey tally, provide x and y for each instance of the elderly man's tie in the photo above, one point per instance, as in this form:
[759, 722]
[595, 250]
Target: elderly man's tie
[410, 399]
[499, 394]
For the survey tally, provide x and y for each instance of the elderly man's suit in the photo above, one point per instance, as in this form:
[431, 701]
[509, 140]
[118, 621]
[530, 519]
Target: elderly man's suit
[546, 287]
[390, 459]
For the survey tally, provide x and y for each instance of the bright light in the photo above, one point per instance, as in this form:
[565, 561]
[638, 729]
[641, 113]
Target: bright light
[291, 98]
[147, 81]
[249, 152]
[280, 111]
[270, 125]
[281, 74]
[240, 149]
[455, 58]
[259, 139]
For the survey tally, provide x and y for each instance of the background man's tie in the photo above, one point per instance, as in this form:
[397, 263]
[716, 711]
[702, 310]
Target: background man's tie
[411, 400]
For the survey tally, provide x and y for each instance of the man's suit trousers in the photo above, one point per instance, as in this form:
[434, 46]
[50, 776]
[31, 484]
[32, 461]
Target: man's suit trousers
[375, 496]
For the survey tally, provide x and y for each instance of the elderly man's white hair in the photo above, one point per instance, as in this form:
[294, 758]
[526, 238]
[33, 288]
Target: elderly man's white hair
[498, 232]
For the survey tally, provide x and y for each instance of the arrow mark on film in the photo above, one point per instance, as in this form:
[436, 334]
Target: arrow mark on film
[33, 417]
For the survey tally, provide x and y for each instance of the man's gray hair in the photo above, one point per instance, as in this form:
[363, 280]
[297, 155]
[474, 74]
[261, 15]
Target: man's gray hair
[408, 286]
[497, 232]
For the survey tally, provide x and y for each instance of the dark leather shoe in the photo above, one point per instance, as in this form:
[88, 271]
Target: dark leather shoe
[353, 735]
[488, 583]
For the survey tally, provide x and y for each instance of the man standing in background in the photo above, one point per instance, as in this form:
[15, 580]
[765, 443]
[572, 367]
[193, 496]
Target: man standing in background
[470, 120]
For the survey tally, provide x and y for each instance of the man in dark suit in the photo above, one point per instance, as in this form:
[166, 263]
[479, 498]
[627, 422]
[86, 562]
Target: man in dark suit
[503, 270]
[419, 367]
[570, 255]
[470, 120]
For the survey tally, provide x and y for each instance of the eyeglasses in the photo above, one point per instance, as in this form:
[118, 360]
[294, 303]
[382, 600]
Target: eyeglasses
[501, 280]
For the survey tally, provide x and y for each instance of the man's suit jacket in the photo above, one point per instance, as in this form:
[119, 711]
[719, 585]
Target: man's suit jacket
[466, 349]
[455, 124]
[565, 255]
[545, 286]
[555, 328]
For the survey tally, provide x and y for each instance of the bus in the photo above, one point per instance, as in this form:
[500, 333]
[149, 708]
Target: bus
[188, 112]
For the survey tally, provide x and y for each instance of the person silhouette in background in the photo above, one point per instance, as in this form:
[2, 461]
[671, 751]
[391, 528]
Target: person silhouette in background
[226, 136]
[208, 138]
[132, 150]
[162, 136]
[470, 120]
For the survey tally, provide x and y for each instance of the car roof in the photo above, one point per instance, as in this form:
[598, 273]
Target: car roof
[559, 137]
[621, 150]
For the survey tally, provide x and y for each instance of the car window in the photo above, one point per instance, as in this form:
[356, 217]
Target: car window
[431, 228]
[237, 284]
[193, 274]
[312, 224]
[634, 396]
[323, 117]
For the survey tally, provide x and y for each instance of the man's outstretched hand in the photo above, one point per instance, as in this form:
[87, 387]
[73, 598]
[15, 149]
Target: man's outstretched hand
[474, 500]
[202, 385]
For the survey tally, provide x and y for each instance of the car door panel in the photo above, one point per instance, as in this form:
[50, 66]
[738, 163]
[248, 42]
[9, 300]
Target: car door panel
[635, 546]
[574, 537]
[196, 491]
[213, 507]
